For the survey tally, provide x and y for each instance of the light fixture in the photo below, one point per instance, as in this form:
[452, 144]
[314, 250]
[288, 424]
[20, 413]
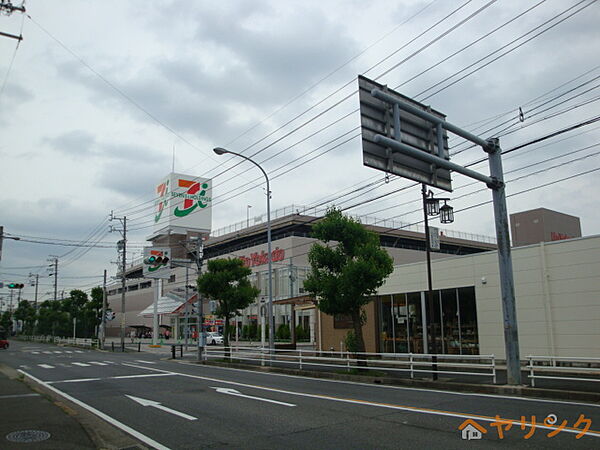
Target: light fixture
[446, 213]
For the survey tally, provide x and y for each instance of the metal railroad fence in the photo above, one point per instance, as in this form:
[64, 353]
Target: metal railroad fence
[413, 364]
[563, 368]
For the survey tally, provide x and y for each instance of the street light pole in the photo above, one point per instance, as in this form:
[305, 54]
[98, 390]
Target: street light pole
[222, 151]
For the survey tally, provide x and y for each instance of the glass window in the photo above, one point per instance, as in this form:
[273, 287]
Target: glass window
[415, 323]
[468, 321]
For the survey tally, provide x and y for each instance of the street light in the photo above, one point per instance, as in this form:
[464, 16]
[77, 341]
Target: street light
[431, 207]
[221, 151]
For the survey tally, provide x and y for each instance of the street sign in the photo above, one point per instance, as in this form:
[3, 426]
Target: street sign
[157, 262]
[377, 118]
[110, 314]
[434, 238]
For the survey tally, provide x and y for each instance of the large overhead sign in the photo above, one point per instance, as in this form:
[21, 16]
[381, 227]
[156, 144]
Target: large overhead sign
[377, 118]
[183, 203]
[157, 262]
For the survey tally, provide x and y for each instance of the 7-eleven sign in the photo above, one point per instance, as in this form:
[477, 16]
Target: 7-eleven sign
[182, 204]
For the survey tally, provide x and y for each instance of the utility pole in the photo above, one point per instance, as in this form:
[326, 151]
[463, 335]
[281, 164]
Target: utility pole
[122, 246]
[103, 319]
[7, 8]
[54, 260]
[37, 279]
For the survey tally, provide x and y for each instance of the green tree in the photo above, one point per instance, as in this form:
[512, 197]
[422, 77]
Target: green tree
[226, 281]
[25, 312]
[6, 321]
[348, 271]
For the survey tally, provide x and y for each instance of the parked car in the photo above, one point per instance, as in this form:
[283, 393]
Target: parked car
[214, 338]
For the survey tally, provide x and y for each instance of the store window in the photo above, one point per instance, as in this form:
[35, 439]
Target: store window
[449, 318]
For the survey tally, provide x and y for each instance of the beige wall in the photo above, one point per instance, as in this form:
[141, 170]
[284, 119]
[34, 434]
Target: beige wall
[557, 288]
[333, 337]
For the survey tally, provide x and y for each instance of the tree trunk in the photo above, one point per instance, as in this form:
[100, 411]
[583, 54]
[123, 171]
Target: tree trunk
[360, 342]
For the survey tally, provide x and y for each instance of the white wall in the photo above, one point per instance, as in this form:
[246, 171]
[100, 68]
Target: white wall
[557, 288]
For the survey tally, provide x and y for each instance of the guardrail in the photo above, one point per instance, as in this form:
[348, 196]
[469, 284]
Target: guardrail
[76, 342]
[390, 363]
[555, 368]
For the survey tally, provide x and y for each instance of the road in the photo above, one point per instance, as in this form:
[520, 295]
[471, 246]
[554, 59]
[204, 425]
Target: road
[174, 404]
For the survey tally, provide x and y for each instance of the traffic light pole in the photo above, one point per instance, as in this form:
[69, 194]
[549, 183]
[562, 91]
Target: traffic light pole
[103, 317]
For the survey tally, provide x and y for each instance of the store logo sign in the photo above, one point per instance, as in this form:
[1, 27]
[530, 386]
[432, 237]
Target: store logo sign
[194, 197]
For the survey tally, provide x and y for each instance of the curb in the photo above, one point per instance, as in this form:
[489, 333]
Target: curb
[516, 391]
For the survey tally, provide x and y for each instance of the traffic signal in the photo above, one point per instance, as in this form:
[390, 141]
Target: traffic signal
[16, 285]
[155, 262]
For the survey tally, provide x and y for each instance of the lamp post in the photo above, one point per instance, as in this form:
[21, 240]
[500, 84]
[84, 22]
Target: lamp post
[248, 215]
[222, 151]
[431, 207]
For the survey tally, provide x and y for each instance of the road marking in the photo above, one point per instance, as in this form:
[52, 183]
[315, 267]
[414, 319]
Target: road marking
[19, 395]
[22, 366]
[79, 351]
[98, 363]
[68, 351]
[146, 375]
[81, 364]
[142, 437]
[77, 380]
[157, 405]
[235, 393]
[48, 352]
[414, 409]
[35, 353]
[46, 366]
[56, 351]
[404, 388]
[145, 362]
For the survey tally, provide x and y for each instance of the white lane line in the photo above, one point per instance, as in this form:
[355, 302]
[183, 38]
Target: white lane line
[145, 439]
[119, 377]
[145, 362]
[146, 375]
[46, 366]
[48, 352]
[35, 353]
[68, 351]
[413, 409]
[77, 380]
[79, 351]
[98, 363]
[56, 351]
[81, 364]
[18, 395]
[109, 362]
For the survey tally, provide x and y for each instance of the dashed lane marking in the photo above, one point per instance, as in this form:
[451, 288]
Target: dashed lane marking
[46, 366]
[81, 364]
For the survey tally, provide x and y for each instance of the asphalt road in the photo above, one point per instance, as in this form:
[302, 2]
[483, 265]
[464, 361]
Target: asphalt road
[174, 404]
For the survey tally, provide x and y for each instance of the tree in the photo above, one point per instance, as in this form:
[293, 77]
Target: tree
[6, 321]
[343, 276]
[226, 281]
[25, 312]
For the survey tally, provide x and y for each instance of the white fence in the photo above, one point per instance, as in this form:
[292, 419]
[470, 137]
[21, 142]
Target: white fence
[560, 368]
[410, 363]
[75, 342]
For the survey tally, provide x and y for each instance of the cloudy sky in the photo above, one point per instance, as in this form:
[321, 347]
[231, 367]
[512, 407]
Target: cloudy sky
[99, 96]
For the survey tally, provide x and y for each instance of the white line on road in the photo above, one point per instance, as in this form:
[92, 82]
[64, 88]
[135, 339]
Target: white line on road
[145, 362]
[413, 409]
[81, 364]
[119, 377]
[77, 380]
[235, 393]
[18, 395]
[145, 402]
[46, 366]
[97, 363]
[142, 437]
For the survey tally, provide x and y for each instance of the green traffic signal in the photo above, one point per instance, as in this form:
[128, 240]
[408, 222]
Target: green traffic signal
[16, 285]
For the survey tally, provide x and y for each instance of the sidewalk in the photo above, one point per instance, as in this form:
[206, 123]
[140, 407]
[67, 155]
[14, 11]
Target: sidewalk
[34, 417]
[29, 417]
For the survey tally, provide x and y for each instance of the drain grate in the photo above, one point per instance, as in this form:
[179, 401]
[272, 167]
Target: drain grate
[28, 436]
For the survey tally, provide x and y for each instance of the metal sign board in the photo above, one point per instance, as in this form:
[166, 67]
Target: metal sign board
[377, 117]
[434, 238]
[182, 204]
[157, 262]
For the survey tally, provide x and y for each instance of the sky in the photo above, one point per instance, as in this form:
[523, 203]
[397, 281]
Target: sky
[101, 100]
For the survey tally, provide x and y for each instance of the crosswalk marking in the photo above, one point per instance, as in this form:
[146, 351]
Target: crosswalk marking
[78, 351]
[68, 351]
[55, 351]
[81, 364]
[145, 362]
[46, 366]
[35, 353]
[48, 352]
[98, 363]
